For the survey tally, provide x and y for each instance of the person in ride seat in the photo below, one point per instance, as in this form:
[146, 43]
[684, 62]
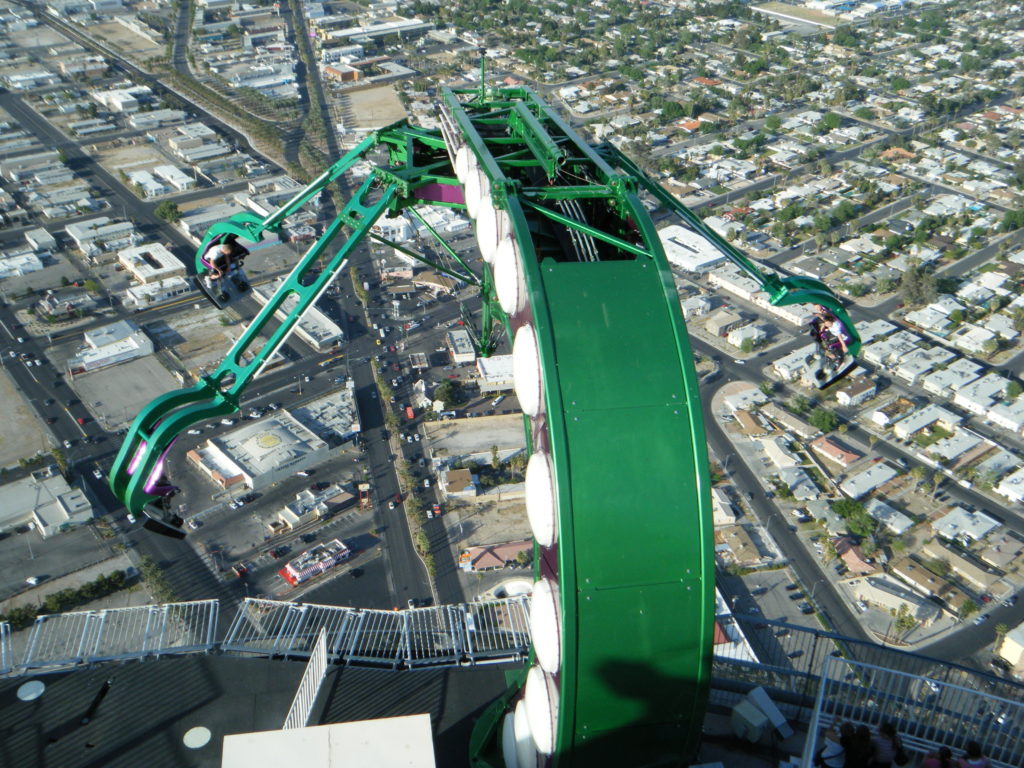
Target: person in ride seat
[225, 260]
[830, 333]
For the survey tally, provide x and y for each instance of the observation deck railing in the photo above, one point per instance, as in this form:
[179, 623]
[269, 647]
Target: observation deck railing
[927, 714]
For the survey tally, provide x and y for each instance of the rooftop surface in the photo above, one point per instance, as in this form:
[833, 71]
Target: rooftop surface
[151, 705]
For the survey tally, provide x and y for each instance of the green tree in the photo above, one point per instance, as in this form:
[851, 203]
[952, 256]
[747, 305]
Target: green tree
[91, 286]
[495, 459]
[905, 621]
[918, 287]
[450, 393]
[168, 211]
[968, 608]
[865, 113]
[921, 474]
[799, 404]
[1001, 630]
[1013, 389]
[844, 508]
[831, 121]
[773, 122]
[824, 419]
[899, 83]
[767, 387]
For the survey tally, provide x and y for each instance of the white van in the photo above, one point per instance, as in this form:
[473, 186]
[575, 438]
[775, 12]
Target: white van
[497, 401]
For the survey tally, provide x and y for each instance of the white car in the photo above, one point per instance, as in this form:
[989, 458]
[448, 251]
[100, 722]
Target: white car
[416, 437]
[131, 518]
[192, 523]
[195, 431]
[67, 443]
[227, 422]
[391, 505]
[97, 474]
[426, 482]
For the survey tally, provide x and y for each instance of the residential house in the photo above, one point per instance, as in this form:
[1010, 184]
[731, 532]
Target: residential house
[857, 392]
[863, 483]
[459, 483]
[924, 418]
[963, 525]
[889, 517]
[833, 451]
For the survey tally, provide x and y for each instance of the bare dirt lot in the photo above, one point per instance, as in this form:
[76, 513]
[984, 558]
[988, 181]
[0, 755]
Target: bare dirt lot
[137, 156]
[123, 39]
[23, 434]
[198, 339]
[372, 108]
[489, 523]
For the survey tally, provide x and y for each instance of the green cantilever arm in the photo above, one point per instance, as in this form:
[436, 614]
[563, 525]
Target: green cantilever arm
[781, 290]
[136, 473]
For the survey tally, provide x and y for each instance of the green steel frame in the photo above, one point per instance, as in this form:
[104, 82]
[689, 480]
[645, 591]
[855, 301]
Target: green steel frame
[621, 415]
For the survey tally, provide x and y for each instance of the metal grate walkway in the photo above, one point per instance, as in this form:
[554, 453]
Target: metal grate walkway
[445, 635]
[471, 633]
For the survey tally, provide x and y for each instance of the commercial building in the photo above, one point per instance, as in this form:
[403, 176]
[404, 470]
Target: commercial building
[1012, 647]
[141, 296]
[334, 417]
[150, 263]
[688, 250]
[460, 345]
[315, 328]
[315, 561]
[109, 345]
[102, 234]
[177, 179]
[46, 500]
[260, 453]
[495, 373]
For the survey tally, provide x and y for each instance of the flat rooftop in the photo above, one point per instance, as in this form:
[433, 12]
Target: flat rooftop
[150, 706]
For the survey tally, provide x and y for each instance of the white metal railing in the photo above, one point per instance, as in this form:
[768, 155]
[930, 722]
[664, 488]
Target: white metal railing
[6, 657]
[927, 713]
[309, 687]
[440, 635]
[84, 637]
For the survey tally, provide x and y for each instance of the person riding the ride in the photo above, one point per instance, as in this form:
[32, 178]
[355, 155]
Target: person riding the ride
[830, 333]
[225, 260]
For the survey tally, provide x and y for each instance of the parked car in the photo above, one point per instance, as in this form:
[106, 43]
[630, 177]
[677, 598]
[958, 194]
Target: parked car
[97, 474]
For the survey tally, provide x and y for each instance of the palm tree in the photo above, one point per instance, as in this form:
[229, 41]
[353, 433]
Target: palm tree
[1001, 630]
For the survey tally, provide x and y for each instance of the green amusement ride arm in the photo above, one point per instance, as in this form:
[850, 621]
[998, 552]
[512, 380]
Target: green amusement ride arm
[781, 290]
[138, 465]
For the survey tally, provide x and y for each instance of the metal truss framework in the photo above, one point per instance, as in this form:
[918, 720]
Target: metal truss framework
[446, 635]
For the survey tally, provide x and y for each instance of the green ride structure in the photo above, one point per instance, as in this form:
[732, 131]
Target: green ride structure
[618, 481]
